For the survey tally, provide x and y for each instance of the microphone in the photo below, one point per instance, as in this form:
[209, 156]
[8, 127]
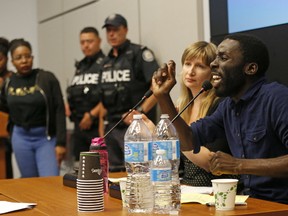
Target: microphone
[206, 85]
[146, 95]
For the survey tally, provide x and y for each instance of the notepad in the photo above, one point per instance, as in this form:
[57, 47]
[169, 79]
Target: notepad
[187, 189]
[116, 180]
[206, 199]
[6, 206]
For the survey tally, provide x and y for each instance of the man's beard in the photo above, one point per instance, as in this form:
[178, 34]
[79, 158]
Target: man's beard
[231, 85]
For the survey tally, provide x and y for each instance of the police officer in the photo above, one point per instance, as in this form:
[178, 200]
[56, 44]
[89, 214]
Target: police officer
[125, 77]
[83, 93]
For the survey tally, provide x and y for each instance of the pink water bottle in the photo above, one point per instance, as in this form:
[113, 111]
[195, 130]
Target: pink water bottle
[98, 145]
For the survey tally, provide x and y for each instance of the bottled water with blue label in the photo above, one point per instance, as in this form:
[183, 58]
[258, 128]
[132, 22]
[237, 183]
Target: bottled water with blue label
[165, 137]
[160, 172]
[139, 191]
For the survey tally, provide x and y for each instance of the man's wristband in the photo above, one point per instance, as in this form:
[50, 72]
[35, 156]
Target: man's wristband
[140, 109]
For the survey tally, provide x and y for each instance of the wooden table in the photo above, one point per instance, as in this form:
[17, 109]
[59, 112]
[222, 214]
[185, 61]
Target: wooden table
[55, 199]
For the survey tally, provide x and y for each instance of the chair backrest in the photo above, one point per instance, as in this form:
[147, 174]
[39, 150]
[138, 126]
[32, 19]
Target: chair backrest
[3, 124]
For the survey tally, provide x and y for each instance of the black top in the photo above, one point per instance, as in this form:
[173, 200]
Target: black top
[46, 84]
[27, 106]
[83, 93]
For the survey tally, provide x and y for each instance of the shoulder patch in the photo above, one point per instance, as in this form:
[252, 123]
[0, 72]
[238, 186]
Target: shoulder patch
[99, 60]
[147, 56]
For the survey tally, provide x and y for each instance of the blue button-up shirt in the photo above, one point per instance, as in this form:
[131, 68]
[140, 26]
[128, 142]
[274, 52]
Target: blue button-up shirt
[255, 127]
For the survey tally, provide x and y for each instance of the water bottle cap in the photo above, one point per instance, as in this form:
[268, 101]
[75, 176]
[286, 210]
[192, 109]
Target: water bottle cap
[98, 143]
[164, 116]
[137, 116]
[160, 151]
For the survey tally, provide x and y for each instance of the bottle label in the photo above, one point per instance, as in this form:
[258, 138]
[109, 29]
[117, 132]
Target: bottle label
[172, 148]
[136, 151]
[160, 175]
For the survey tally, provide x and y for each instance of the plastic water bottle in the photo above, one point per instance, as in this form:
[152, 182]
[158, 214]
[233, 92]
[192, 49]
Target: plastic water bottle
[160, 172]
[98, 145]
[139, 191]
[165, 137]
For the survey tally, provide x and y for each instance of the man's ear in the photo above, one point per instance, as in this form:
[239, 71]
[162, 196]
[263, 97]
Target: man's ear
[251, 68]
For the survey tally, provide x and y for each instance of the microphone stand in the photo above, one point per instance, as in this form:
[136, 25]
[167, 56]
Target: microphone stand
[188, 104]
[205, 86]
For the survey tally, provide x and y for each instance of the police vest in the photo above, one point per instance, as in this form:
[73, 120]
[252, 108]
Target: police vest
[84, 92]
[122, 81]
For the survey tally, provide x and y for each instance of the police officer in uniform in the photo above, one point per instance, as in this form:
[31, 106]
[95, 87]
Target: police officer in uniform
[125, 77]
[83, 93]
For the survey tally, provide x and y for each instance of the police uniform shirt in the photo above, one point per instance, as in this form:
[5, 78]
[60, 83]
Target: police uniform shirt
[126, 78]
[83, 93]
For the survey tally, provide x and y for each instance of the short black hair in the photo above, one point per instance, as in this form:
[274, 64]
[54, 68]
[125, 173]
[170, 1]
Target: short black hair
[253, 49]
[4, 46]
[19, 42]
[90, 29]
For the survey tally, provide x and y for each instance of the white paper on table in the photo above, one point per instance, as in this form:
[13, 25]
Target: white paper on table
[191, 189]
[117, 180]
[6, 206]
[206, 199]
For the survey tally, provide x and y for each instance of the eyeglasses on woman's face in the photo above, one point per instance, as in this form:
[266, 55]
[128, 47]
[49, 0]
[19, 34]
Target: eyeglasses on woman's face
[20, 57]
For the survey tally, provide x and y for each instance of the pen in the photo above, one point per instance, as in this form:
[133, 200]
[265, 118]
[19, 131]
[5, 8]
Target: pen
[236, 204]
[210, 204]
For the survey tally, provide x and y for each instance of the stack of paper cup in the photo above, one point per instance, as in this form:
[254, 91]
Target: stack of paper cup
[90, 193]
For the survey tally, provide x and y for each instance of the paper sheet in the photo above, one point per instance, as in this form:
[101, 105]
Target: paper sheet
[116, 180]
[190, 189]
[208, 199]
[6, 207]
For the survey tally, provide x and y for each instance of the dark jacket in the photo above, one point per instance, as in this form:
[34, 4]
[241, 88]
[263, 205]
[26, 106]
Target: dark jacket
[55, 112]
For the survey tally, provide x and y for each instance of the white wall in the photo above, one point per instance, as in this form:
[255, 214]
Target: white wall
[19, 20]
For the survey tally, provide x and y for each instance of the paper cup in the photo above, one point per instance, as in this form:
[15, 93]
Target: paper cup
[89, 166]
[225, 193]
[122, 184]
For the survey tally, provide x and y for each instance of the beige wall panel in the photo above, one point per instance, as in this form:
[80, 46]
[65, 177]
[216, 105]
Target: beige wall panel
[168, 27]
[51, 49]
[70, 4]
[50, 8]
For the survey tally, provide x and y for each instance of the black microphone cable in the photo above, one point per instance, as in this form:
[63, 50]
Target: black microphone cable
[146, 95]
[206, 85]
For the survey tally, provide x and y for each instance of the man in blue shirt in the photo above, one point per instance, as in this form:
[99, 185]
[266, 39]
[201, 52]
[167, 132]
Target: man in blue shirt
[253, 118]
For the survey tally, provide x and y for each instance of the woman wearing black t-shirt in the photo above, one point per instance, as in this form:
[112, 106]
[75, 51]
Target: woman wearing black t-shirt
[34, 101]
